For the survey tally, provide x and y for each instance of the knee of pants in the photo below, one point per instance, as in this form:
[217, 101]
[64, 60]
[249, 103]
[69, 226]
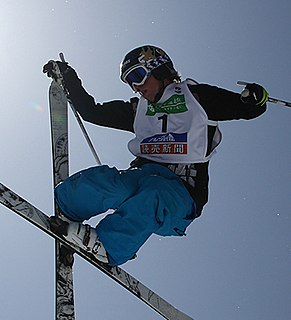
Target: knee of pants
[90, 192]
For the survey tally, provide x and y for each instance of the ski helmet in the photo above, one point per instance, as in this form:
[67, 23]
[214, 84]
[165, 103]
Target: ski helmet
[144, 61]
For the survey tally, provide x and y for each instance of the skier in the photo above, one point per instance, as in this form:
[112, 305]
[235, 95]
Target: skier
[175, 135]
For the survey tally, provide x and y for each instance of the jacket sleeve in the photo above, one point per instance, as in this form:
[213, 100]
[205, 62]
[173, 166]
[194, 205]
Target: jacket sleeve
[116, 114]
[221, 104]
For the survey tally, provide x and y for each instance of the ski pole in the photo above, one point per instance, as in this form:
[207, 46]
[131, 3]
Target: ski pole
[273, 100]
[79, 120]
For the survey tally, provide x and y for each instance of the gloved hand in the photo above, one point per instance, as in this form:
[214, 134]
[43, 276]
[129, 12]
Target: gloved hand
[254, 94]
[48, 68]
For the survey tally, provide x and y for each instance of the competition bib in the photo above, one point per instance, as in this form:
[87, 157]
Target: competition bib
[173, 130]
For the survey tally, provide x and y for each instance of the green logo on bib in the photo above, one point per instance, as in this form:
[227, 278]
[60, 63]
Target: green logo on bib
[175, 104]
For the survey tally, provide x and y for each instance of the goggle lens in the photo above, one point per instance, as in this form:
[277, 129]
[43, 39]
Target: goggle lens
[136, 76]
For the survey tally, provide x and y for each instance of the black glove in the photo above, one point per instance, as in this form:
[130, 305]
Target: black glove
[254, 94]
[49, 68]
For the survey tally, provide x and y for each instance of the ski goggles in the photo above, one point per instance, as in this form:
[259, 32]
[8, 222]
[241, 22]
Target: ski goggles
[136, 76]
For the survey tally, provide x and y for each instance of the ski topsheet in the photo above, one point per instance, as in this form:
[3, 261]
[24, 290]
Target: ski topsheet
[26, 210]
[58, 107]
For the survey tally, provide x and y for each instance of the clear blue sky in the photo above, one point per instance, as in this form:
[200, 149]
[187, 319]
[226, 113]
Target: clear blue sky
[235, 261]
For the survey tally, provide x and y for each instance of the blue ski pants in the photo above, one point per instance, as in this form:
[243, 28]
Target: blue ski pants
[150, 199]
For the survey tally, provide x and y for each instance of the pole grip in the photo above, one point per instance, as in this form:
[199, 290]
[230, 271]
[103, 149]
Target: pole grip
[62, 57]
[272, 100]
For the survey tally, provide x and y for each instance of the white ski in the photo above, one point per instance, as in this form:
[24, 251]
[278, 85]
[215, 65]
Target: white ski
[26, 210]
[58, 107]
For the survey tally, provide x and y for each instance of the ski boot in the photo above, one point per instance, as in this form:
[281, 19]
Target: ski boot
[82, 235]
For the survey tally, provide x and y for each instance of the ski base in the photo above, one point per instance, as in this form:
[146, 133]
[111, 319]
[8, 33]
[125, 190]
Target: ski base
[58, 107]
[26, 210]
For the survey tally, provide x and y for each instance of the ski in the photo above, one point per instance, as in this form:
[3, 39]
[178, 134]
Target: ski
[26, 210]
[58, 107]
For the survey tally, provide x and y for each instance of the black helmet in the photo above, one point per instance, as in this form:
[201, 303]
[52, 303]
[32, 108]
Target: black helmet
[143, 61]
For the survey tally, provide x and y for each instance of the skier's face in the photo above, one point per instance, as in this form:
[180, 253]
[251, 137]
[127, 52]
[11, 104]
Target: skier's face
[150, 89]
